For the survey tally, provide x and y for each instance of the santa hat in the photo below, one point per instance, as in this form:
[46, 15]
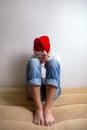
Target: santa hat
[42, 43]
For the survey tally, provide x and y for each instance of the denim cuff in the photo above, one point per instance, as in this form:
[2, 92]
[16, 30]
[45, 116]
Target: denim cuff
[53, 82]
[35, 81]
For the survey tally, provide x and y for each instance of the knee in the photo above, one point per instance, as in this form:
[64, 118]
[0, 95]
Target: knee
[53, 63]
[33, 62]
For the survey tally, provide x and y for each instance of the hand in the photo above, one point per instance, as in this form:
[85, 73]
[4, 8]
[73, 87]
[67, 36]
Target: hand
[44, 58]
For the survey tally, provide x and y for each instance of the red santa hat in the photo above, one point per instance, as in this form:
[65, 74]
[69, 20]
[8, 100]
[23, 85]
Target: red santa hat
[42, 43]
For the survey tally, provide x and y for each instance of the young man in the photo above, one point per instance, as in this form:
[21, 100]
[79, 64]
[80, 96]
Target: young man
[43, 80]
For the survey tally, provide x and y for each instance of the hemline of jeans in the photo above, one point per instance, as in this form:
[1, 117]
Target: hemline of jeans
[35, 81]
[53, 82]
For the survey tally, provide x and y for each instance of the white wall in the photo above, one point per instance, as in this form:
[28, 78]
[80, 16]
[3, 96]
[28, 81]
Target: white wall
[64, 21]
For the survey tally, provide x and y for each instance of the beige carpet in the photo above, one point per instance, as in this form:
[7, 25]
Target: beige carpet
[16, 111]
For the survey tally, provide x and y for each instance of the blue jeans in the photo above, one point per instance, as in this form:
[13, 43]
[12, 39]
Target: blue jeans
[33, 76]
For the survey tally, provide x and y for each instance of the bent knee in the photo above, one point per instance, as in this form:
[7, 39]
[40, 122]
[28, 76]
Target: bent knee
[34, 61]
[53, 63]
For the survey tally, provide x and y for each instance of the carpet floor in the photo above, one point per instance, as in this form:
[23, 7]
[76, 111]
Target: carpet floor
[16, 110]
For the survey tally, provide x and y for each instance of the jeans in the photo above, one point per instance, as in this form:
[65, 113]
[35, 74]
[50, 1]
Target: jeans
[33, 76]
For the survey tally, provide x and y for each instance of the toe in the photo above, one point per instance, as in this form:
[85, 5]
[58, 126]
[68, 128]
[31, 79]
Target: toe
[47, 123]
[42, 122]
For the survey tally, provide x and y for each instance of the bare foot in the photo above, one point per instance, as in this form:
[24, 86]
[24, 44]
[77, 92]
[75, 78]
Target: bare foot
[38, 117]
[49, 119]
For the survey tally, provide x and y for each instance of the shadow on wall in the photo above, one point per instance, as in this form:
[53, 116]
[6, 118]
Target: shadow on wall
[18, 70]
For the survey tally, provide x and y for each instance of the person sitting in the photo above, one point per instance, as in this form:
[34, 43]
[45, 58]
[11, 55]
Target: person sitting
[43, 80]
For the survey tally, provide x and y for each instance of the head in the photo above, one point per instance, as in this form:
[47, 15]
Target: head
[41, 44]
[42, 48]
